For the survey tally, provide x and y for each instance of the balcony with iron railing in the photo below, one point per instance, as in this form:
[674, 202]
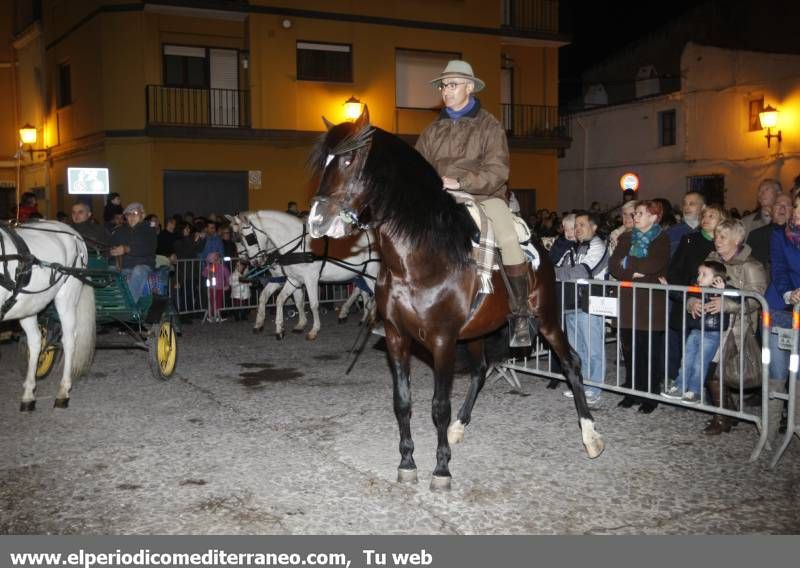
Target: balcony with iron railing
[531, 16]
[535, 126]
[197, 107]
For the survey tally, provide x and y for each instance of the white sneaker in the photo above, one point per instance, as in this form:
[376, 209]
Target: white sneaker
[673, 393]
[690, 398]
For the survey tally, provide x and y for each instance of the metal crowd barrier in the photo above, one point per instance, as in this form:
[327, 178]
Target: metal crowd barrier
[792, 423]
[195, 288]
[600, 299]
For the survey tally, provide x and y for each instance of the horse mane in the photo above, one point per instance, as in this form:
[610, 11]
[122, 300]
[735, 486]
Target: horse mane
[404, 192]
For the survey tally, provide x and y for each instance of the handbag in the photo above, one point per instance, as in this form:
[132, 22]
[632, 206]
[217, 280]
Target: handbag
[731, 350]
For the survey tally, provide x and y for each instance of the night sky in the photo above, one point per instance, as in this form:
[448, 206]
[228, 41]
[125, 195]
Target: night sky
[600, 28]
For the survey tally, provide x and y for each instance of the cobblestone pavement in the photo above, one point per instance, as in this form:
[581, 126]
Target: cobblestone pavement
[256, 436]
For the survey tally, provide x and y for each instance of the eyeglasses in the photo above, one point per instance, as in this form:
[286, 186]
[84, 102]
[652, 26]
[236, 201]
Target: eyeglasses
[451, 86]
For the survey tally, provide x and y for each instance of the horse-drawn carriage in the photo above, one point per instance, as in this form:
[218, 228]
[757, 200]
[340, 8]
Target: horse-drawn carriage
[150, 324]
[60, 296]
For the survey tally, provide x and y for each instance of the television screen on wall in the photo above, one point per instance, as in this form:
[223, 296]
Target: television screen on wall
[87, 181]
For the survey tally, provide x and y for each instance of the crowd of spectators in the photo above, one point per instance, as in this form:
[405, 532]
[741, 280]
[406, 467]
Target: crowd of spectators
[700, 244]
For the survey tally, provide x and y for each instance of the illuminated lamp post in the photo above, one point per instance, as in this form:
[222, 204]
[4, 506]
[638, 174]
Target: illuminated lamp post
[352, 108]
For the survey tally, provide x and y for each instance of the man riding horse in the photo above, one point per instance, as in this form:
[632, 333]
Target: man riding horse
[468, 148]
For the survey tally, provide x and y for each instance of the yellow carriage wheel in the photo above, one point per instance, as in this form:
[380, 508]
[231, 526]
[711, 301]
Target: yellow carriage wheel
[163, 350]
[49, 354]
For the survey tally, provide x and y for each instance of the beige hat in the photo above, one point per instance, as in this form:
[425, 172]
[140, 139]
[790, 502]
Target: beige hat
[459, 68]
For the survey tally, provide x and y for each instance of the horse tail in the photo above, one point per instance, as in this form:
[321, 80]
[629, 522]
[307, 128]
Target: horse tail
[85, 338]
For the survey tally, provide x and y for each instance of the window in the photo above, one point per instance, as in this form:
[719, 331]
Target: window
[64, 86]
[413, 73]
[666, 128]
[185, 66]
[324, 62]
[756, 106]
[712, 187]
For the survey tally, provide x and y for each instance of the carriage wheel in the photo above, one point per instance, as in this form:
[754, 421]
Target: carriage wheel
[163, 349]
[49, 355]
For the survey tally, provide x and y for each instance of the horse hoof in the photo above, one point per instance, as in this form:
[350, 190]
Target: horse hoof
[455, 433]
[342, 320]
[258, 330]
[311, 337]
[28, 406]
[279, 336]
[61, 403]
[595, 447]
[592, 440]
[440, 483]
[406, 475]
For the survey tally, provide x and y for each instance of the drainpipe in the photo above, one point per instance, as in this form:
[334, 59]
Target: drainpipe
[585, 152]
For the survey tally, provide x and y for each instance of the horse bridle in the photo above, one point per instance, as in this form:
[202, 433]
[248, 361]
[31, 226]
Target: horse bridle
[361, 139]
[270, 256]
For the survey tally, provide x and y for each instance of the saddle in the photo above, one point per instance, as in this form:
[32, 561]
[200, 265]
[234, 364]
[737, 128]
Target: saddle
[485, 235]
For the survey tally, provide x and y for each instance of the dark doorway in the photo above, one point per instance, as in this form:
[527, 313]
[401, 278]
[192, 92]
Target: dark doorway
[712, 187]
[527, 202]
[203, 193]
[8, 199]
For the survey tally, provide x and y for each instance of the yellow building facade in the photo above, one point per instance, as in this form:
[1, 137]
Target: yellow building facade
[214, 105]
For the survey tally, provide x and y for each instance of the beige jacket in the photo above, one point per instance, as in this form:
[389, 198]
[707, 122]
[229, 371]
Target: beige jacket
[744, 273]
[472, 149]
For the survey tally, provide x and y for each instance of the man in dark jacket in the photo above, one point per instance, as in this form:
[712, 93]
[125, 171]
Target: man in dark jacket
[135, 242]
[759, 239]
[96, 237]
[468, 148]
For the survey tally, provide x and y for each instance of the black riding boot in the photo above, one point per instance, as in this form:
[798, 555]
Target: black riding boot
[518, 303]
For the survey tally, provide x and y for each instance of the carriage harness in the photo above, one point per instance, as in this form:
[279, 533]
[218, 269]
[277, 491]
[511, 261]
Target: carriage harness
[303, 256]
[26, 261]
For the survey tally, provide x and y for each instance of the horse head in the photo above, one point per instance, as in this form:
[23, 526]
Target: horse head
[251, 242]
[339, 160]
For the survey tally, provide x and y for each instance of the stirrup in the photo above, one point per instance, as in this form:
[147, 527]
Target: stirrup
[520, 335]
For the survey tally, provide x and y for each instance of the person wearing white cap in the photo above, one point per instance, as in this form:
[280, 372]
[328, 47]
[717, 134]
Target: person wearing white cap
[468, 148]
[135, 242]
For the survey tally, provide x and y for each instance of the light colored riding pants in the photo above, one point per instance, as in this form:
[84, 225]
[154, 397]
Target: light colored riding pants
[504, 233]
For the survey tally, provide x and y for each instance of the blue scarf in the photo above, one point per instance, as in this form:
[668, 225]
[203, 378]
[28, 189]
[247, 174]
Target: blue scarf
[640, 241]
[456, 114]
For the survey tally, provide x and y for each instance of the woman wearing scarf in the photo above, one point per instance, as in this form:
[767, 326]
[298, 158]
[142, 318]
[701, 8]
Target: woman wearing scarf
[642, 256]
[782, 295]
[744, 273]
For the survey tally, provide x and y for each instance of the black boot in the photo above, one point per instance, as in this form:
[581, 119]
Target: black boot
[518, 303]
[719, 423]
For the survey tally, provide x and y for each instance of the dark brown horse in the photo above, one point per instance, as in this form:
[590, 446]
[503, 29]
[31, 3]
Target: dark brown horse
[427, 288]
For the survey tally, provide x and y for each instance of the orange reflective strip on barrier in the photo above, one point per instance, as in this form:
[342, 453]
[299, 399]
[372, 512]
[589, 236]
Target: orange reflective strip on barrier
[625, 284]
[694, 289]
[765, 319]
[796, 320]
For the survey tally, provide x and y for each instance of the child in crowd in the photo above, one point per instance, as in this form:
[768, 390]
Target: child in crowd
[240, 290]
[704, 335]
[217, 278]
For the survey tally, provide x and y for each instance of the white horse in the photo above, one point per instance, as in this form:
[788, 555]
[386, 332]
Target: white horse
[367, 302]
[50, 245]
[268, 234]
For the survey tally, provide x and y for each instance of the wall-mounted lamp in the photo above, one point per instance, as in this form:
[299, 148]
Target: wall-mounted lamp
[769, 120]
[27, 135]
[352, 108]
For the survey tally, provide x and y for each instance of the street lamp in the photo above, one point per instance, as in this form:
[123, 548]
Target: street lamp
[769, 119]
[27, 134]
[352, 108]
